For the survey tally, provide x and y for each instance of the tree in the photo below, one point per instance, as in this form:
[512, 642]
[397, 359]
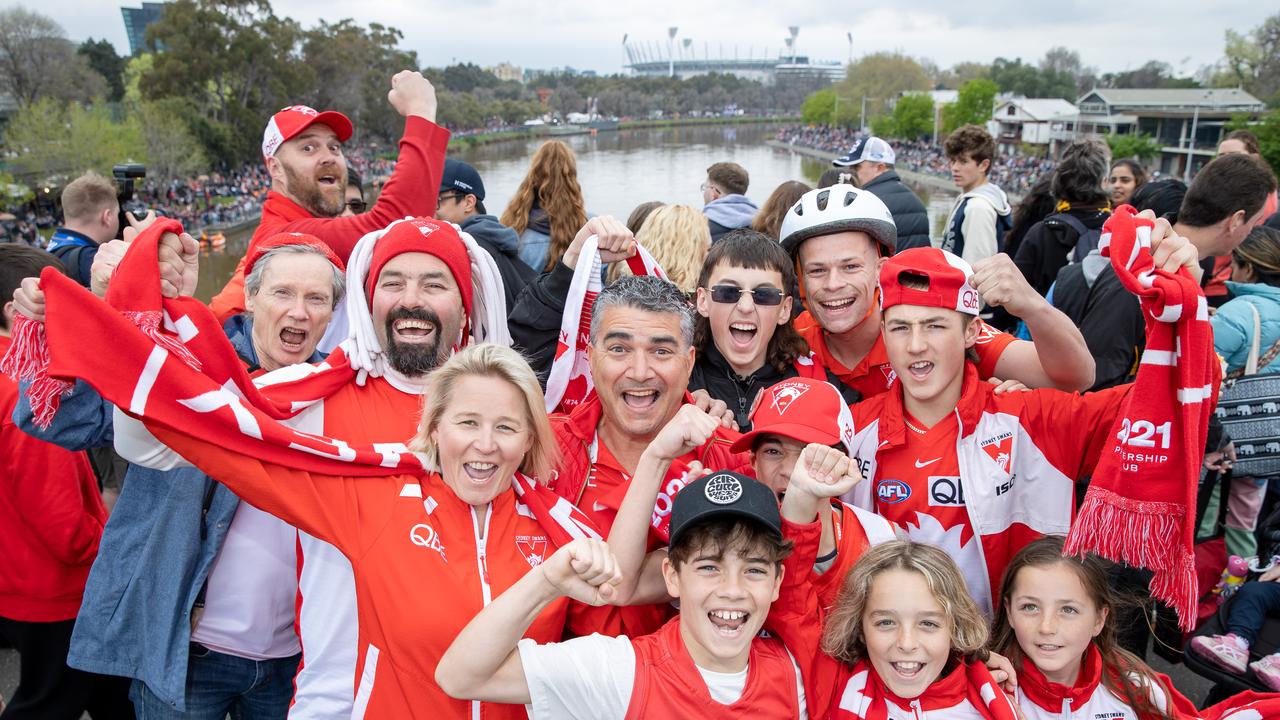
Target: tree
[1253, 60]
[912, 117]
[1268, 131]
[1019, 78]
[59, 141]
[1152, 74]
[101, 56]
[351, 68]
[173, 152]
[1136, 145]
[973, 105]
[880, 78]
[818, 107]
[37, 61]
[961, 73]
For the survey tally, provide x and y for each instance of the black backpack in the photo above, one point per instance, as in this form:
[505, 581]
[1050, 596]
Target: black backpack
[1086, 238]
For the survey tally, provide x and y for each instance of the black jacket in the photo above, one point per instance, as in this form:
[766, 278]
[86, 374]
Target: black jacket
[534, 319]
[909, 214]
[711, 372]
[1047, 247]
[501, 242]
[1108, 316]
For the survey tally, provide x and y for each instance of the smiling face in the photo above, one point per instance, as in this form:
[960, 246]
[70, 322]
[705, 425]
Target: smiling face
[724, 599]
[482, 437]
[291, 309]
[926, 348]
[640, 367]
[907, 633]
[312, 171]
[839, 273]
[417, 312]
[742, 330]
[1054, 619]
[1123, 183]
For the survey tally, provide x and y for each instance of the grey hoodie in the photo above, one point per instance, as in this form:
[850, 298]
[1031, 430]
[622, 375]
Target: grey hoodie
[729, 212]
[976, 235]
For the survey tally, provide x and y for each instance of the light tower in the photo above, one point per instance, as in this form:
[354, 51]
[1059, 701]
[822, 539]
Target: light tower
[671, 51]
[794, 30]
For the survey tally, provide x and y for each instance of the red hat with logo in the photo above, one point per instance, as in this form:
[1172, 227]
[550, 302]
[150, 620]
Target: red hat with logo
[803, 409]
[430, 236]
[292, 120]
[944, 277]
[290, 238]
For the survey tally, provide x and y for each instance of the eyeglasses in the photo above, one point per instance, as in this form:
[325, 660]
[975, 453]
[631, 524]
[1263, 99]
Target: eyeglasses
[454, 196]
[730, 294]
[357, 206]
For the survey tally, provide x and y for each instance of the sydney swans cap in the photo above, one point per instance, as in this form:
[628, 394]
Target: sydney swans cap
[290, 121]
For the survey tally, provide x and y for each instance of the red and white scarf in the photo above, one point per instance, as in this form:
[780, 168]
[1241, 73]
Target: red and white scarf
[1140, 506]
[968, 688]
[569, 381]
[168, 361]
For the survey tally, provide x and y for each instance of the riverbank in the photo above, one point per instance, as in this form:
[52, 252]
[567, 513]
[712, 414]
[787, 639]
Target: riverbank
[527, 133]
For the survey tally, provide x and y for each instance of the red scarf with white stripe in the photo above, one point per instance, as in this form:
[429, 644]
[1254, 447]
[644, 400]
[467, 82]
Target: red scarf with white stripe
[1140, 507]
[168, 361]
[967, 688]
[569, 381]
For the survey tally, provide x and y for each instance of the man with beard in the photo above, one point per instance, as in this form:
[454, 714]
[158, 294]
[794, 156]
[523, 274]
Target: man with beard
[302, 149]
[418, 289]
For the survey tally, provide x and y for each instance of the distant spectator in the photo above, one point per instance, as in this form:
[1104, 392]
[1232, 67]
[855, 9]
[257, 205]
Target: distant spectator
[354, 195]
[981, 215]
[547, 209]
[1126, 177]
[872, 162]
[461, 202]
[724, 193]
[678, 238]
[640, 214]
[769, 219]
[91, 216]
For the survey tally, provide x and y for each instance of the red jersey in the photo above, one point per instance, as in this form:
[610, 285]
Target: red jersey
[410, 191]
[856, 530]
[873, 374]
[424, 561]
[668, 684]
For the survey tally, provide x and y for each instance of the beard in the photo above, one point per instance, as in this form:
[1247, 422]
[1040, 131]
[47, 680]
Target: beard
[414, 359]
[308, 192]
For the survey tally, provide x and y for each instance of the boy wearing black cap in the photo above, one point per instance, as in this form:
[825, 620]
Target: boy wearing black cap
[724, 565]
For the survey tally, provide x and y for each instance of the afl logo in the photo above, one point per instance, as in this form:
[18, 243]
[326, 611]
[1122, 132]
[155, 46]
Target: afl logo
[892, 492]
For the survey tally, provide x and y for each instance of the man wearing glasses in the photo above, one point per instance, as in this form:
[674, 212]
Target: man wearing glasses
[461, 202]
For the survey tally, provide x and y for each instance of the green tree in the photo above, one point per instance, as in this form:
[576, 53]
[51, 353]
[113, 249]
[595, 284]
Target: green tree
[1136, 145]
[880, 78]
[912, 117]
[1268, 131]
[58, 141]
[1253, 60]
[961, 73]
[818, 107]
[37, 61]
[101, 56]
[351, 68]
[973, 105]
[1024, 79]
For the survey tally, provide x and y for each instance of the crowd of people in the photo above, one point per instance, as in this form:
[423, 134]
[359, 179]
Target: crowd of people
[800, 459]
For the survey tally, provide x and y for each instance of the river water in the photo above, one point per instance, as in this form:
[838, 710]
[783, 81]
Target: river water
[619, 170]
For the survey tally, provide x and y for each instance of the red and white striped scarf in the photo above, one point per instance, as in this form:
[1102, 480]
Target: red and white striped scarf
[1140, 507]
[168, 361]
[569, 381]
[967, 690]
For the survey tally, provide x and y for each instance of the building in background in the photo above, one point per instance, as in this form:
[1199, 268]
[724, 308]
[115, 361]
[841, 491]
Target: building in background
[136, 21]
[1021, 121]
[507, 72]
[681, 59]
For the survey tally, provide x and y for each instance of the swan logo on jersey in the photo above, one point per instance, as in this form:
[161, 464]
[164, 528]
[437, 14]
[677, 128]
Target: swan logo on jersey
[424, 535]
[1000, 449]
[892, 492]
[533, 548]
[889, 374]
[784, 394]
[723, 489]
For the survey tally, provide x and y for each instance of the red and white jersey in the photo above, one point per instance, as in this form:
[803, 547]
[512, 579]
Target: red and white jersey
[856, 530]
[1003, 470]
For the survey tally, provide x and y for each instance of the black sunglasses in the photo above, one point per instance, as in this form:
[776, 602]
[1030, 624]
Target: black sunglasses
[760, 296]
[357, 206]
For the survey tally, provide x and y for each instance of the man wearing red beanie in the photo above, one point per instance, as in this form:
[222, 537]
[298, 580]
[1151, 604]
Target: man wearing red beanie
[302, 149]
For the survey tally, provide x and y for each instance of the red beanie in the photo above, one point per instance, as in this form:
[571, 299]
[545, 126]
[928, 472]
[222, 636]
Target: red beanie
[290, 238]
[431, 236]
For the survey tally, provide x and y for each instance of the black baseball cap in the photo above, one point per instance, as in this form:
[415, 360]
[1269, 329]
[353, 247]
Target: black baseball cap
[461, 177]
[725, 493]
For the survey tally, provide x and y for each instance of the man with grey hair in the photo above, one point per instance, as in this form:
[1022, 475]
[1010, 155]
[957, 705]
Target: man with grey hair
[641, 355]
[1071, 233]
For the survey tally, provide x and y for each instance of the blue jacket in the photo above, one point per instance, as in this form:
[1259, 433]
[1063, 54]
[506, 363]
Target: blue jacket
[156, 551]
[1233, 324]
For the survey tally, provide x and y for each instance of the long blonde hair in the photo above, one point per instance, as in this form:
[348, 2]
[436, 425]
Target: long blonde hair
[843, 638]
[551, 184]
[678, 237]
[499, 363]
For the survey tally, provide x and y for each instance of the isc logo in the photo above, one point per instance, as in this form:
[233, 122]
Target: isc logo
[892, 492]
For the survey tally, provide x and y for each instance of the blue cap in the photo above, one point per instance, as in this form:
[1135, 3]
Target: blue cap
[871, 149]
[461, 177]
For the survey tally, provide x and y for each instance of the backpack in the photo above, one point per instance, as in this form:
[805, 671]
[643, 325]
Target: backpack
[1086, 238]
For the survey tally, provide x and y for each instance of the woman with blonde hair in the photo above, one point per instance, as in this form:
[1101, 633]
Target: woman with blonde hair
[769, 219]
[678, 238]
[547, 209]
[428, 549]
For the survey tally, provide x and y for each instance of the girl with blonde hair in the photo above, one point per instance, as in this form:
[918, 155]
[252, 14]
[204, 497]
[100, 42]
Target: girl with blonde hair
[678, 237]
[547, 209]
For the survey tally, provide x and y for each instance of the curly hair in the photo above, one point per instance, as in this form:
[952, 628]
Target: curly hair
[678, 237]
[769, 219]
[551, 184]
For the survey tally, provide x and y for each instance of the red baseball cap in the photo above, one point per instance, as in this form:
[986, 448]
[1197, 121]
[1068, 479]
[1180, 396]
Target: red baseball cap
[292, 120]
[946, 276]
[803, 409]
[290, 238]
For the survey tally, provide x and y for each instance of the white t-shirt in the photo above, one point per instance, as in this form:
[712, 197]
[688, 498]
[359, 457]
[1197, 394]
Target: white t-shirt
[592, 678]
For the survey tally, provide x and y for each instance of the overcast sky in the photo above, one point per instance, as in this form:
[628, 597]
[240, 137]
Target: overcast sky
[587, 34]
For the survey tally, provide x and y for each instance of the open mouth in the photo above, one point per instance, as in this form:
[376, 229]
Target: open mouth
[411, 330]
[743, 334]
[640, 398]
[327, 180]
[1047, 648]
[837, 306]
[729, 623]
[920, 369]
[907, 671]
[480, 471]
[293, 340]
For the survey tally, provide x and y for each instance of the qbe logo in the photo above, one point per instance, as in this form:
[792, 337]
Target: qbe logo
[969, 300]
[892, 492]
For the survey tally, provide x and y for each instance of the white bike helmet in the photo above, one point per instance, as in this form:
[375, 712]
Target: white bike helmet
[839, 208]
